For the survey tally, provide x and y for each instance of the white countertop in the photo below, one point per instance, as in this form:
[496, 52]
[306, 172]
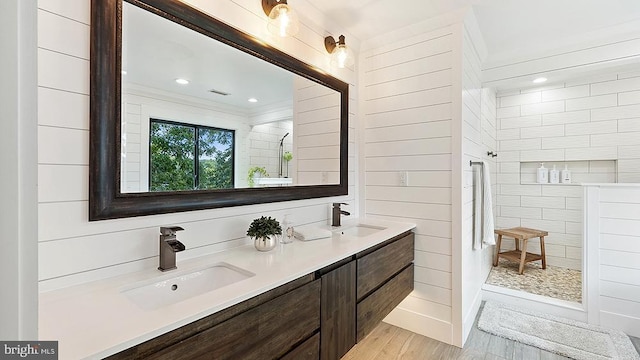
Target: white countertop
[95, 320]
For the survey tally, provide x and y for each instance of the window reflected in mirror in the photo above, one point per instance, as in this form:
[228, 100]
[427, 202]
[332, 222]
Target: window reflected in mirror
[189, 157]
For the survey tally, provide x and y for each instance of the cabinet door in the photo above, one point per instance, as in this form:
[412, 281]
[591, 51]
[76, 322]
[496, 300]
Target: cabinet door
[338, 315]
[377, 267]
[265, 332]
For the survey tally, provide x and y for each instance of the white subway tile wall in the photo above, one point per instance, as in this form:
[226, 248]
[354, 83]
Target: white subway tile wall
[264, 141]
[593, 125]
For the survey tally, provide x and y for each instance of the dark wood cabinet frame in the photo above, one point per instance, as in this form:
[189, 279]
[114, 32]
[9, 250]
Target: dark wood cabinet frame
[106, 201]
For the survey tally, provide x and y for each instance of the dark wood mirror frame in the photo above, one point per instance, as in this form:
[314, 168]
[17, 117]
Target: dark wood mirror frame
[105, 198]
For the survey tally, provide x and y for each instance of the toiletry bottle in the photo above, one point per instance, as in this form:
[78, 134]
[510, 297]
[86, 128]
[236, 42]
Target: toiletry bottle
[543, 174]
[566, 175]
[287, 230]
[554, 175]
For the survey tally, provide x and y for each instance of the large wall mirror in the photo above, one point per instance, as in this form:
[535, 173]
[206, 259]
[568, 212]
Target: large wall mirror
[188, 113]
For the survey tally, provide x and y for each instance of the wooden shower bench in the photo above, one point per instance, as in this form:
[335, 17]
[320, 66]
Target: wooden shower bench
[521, 255]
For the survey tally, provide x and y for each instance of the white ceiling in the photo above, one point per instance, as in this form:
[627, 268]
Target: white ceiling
[158, 51]
[508, 26]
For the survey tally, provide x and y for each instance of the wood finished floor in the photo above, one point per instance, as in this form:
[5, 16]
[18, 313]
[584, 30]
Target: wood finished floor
[390, 342]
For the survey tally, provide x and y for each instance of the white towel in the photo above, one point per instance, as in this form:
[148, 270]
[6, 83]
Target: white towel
[477, 207]
[488, 227]
[306, 233]
[483, 227]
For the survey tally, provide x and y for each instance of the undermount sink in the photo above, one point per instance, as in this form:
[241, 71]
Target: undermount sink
[361, 230]
[157, 294]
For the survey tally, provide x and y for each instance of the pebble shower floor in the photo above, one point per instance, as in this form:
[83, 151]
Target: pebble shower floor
[554, 282]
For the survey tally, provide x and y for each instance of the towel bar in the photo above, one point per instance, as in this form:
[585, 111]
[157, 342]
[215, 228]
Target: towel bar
[471, 163]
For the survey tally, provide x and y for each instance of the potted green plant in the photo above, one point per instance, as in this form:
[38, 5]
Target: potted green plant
[264, 231]
[254, 172]
[287, 156]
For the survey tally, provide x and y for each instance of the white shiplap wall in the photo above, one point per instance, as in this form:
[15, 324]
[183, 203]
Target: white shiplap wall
[612, 225]
[592, 125]
[73, 250]
[478, 138]
[425, 117]
[407, 105]
[606, 50]
[317, 134]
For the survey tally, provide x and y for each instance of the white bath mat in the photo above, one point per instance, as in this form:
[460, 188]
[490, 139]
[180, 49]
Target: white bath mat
[566, 337]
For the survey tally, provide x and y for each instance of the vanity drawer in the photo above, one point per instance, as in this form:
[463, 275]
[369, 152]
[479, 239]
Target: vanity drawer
[379, 304]
[377, 267]
[308, 350]
[156, 345]
[267, 331]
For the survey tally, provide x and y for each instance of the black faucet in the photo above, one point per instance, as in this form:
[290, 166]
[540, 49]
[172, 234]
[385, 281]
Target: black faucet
[169, 246]
[336, 212]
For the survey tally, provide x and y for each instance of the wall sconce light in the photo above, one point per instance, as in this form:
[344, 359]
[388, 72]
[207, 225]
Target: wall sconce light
[341, 55]
[283, 21]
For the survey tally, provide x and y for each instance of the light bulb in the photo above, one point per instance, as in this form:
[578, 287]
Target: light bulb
[283, 21]
[341, 56]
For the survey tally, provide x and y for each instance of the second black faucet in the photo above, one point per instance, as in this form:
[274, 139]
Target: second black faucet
[336, 212]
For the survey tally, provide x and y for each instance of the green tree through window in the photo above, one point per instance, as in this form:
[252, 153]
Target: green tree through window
[188, 157]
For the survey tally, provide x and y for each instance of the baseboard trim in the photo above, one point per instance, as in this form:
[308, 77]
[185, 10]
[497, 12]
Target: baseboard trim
[470, 317]
[629, 324]
[567, 309]
[420, 324]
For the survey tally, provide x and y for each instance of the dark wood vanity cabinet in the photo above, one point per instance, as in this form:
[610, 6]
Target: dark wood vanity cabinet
[317, 316]
[358, 292]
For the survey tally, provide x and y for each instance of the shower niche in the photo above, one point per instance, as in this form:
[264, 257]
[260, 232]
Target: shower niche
[584, 171]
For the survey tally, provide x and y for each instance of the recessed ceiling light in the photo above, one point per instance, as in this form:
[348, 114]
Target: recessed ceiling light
[540, 80]
[253, 100]
[182, 81]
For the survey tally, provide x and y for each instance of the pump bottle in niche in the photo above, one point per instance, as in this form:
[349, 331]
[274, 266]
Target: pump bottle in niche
[543, 174]
[554, 175]
[566, 175]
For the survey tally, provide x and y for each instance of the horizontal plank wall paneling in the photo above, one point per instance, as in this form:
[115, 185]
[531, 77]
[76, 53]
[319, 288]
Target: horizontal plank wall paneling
[478, 138]
[605, 50]
[317, 163]
[73, 250]
[613, 250]
[407, 88]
